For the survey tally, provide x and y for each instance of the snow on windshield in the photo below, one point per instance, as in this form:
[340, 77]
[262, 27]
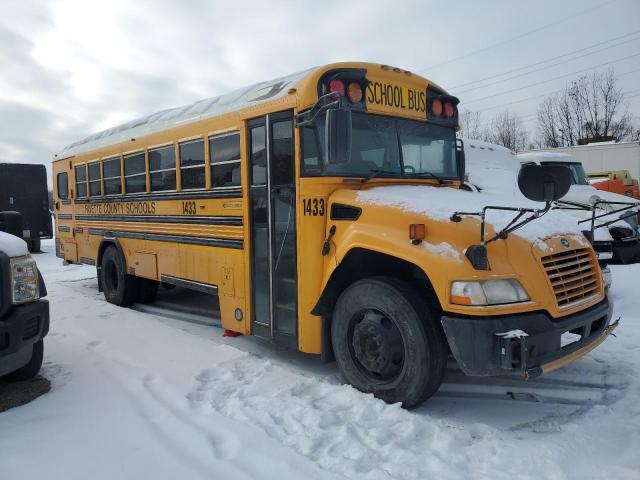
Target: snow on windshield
[440, 203]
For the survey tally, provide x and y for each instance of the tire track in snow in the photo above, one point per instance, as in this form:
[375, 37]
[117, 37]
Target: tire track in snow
[339, 428]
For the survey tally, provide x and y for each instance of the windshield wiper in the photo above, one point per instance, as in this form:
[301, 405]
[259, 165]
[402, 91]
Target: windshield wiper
[378, 172]
[426, 174]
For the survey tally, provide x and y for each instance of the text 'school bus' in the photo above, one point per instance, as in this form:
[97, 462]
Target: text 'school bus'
[320, 208]
[23, 189]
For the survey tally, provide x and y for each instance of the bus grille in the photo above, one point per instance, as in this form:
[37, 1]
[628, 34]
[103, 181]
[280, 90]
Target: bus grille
[572, 275]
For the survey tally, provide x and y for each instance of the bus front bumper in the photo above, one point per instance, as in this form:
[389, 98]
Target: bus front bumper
[526, 344]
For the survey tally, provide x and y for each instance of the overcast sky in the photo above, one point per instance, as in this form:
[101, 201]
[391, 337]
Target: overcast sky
[69, 68]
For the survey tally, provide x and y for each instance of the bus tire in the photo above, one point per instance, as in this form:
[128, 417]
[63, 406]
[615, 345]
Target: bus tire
[148, 290]
[119, 288]
[388, 342]
[34, 245]
[32, 368]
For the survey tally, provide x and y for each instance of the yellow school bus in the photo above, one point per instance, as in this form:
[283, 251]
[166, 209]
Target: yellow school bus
[320, 209]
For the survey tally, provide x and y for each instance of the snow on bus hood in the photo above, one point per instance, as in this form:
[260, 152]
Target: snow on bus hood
[440, 203]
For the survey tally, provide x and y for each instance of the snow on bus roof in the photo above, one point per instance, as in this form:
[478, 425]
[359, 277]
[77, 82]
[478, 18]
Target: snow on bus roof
[172, 117]
[537, 157]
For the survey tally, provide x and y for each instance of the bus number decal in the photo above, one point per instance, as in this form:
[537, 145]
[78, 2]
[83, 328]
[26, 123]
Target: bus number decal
[313, 206]
[189, 208]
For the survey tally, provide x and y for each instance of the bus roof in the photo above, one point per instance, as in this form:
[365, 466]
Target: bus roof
[172, 117]
[247, 97]
[539, 157]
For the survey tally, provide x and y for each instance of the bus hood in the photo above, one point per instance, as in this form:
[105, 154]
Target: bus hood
[439, 203]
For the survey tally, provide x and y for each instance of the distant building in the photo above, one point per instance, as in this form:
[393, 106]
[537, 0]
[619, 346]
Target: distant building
[606, 156]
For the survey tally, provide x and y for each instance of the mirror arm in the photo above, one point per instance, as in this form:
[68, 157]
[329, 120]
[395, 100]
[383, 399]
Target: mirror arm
[324, 103]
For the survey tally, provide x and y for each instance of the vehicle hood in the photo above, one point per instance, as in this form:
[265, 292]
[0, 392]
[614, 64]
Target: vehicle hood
[12, 246]
[439, 203]
[588, 194]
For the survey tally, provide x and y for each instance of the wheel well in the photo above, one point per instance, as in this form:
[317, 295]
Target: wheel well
[360, 263]
[104, 244]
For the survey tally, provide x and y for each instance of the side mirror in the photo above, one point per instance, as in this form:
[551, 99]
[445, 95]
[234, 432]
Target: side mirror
[544, 183]
[338, 135]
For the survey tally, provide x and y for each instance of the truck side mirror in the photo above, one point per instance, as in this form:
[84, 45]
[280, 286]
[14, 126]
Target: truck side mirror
[544, 183]
[338, 135]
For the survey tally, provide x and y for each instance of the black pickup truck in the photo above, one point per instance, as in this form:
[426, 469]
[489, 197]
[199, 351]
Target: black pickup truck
[24, 315]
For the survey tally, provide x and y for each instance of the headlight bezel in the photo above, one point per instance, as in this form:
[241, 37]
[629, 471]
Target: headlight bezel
[488, 293]
[24, 278]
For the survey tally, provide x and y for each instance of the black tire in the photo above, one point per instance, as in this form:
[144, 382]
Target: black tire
[148, 290]
[388, 342]
[34, 245]
[32, 368]
[119, 288]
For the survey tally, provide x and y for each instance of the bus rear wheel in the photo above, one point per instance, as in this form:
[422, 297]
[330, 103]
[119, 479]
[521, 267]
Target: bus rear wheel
[387, 341]
[119, 288]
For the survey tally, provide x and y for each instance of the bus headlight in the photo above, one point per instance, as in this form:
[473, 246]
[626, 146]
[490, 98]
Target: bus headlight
[24, 280]
[488, 292]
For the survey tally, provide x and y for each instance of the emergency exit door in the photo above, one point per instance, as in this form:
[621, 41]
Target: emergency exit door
[273, 228]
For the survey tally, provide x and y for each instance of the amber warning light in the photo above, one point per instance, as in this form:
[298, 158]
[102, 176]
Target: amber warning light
[417, 232]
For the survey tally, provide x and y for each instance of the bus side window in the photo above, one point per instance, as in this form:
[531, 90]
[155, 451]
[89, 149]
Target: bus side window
[62, 181]
[224, 153]
[81, 180]
[162, 168]
[95, 180]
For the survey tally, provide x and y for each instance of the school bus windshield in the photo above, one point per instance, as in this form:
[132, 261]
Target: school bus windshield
[389, 146]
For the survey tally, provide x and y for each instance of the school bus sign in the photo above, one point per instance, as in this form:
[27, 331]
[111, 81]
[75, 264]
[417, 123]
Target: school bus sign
[389, 98]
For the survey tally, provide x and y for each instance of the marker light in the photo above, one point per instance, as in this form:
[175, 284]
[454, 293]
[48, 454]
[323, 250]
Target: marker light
[336, 86]
[354, 92]
[417, 231]
[449, 110]
[436, 107]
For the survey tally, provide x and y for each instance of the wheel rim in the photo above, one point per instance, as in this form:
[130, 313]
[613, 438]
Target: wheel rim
[111, 276]
[377, 347]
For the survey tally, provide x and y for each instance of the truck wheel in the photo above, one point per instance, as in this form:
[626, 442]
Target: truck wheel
[34, 245]
[148, 290]
[388, 342]
[119, 288]
[32, 368]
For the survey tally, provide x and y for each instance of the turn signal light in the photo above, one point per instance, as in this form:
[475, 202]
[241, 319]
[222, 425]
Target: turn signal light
[354, 92]
[417, 231]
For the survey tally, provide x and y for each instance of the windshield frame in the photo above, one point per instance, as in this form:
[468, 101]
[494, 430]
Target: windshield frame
[401, 174]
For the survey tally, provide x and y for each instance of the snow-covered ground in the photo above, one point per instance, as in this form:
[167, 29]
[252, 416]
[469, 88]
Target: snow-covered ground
[138, 395]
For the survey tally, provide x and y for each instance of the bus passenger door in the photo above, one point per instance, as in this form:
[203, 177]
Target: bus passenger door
[273, 228]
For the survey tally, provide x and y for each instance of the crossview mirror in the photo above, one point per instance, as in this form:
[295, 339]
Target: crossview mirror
[544, 183]
[338, 135]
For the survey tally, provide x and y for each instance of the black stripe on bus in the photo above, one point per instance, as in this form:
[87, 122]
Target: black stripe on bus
[63, 228]
[66, 201]
[87, 261]
[185, 219]
[231, 193]
[183, 282]
[209, 242]
[65, 216]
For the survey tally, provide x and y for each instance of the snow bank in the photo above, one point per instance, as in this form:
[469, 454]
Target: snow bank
[12, 245]
[440, 203]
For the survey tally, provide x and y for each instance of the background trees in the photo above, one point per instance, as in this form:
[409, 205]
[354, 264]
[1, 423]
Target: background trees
[590, 108]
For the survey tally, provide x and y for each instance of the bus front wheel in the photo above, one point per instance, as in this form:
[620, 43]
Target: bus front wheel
[119, 288]
[387, 341]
